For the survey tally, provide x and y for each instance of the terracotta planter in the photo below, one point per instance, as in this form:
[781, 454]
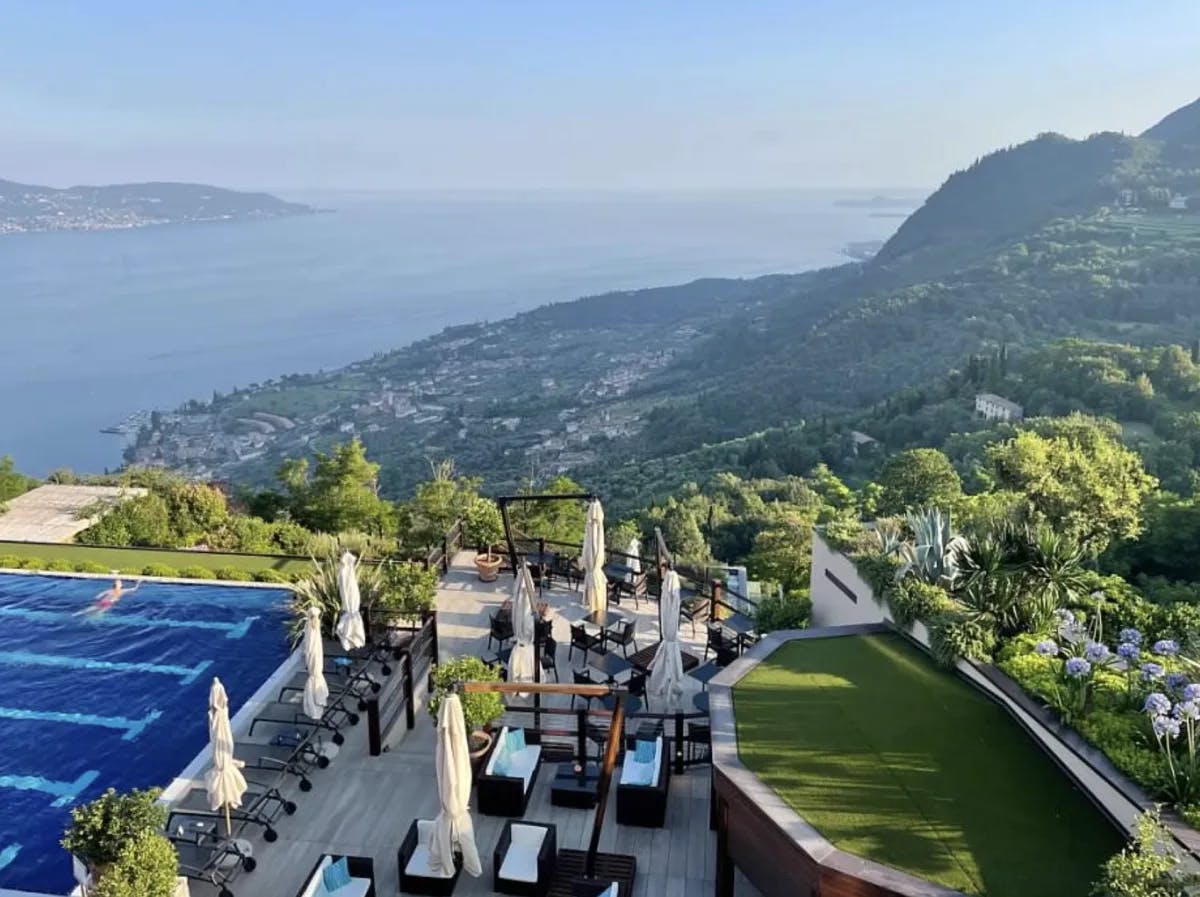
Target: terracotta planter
[488, 566]
[479, 737]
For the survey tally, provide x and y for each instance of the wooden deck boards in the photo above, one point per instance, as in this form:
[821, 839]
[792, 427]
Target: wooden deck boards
[363, 805]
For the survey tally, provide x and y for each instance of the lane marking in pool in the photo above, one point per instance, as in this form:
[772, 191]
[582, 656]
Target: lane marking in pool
[8, 854]
[64, 792]
[133, 727]
[187, 675]
[231, 630]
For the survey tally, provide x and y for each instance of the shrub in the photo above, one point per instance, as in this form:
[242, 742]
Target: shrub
[60, 565]
[195, 571]
[408, 589]
[31, 564]
[147, 866]
[485, 526]
[101, 828]
[10, 562]
[953, 634]
[1149, 866]
[792, 611]
[159, 570]
[914, 599]
[480, 709]
[234, 574]
[269, 575]
[92, 567]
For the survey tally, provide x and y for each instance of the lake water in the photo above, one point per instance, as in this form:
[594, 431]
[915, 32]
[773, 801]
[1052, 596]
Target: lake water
[99, 325]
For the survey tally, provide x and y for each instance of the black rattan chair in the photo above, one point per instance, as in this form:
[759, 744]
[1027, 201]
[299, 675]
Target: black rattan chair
[500, 630]
[621, 636]
[583, 640]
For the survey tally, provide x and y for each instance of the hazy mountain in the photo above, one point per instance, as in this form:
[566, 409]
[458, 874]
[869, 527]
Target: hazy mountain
[1181, 126]
[31, 207]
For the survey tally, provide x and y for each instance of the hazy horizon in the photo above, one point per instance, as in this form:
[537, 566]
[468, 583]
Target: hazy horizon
[547, 97]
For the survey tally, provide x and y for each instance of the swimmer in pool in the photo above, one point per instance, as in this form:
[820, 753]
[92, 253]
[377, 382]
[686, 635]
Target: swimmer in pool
[108, 599]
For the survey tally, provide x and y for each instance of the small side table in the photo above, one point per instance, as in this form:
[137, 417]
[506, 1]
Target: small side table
[571, 790]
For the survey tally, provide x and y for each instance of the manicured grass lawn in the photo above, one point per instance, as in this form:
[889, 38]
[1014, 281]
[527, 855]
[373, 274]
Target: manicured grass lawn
[133, 560]
[897, 761]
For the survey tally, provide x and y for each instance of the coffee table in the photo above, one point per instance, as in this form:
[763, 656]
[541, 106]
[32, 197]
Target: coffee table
[570, 790]
[643, 657]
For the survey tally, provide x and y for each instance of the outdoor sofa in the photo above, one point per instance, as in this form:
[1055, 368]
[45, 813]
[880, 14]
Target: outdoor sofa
[504, 786]
[523, 862]
[362, 878]
[416, 874]
[642, 789]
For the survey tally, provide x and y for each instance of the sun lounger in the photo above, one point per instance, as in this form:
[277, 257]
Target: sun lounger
[209, 858]
[261, 806]
[294, 757]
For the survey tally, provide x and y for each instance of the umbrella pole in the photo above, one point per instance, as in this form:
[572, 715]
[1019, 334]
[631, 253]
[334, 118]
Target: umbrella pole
[228, 823]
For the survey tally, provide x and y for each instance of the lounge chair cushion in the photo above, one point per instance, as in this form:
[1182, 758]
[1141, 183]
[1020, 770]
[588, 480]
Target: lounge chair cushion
[418, 864]
[644, 752]
[521, 860]
[635, 773]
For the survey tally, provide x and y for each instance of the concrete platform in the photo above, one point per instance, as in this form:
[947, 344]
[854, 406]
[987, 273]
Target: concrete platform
[51, 513]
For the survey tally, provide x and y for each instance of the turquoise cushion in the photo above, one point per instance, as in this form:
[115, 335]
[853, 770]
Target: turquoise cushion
[644, 752]
[516, 740]
[500, 766]
[336, 875]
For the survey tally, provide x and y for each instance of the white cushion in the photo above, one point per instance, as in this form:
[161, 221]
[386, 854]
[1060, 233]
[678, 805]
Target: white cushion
[314, 887]
[520, 862]
[357, 887]
[634, 773]
[418, 864]
[521, 764]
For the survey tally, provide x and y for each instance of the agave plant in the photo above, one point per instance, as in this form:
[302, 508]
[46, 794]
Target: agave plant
[889, 536]
[933, 555]
[320, 590]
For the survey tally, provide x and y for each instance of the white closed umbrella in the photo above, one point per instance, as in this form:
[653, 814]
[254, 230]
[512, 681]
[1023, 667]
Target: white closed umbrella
[521, 663]
[453, 826]
[595, 586]
[635, 562]
[666, 671]
[350, 625]
[224, 780]
[316, 691]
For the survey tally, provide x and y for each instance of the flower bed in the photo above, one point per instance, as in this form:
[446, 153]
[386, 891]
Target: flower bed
[1136, 702]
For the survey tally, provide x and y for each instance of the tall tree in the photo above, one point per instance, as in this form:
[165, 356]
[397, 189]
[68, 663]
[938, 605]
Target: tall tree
[917, 478]
[1076, 476]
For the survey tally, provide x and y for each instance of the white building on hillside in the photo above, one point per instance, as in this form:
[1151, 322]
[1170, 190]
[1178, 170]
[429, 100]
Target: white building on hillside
[994, 407]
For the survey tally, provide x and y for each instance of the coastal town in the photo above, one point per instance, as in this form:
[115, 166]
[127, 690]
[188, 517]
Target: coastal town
[516, 396]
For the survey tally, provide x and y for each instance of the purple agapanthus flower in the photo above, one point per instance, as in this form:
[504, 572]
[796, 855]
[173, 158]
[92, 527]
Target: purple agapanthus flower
[1191, 692]
[1176, 681]
[1188, 710]
[1130, 636]
[1097, 653]
[1167, 647]
[1128, 650]
[1152, 671]
[1046, 647]
[1166, 727]
[1077, 667]
[1157, 704]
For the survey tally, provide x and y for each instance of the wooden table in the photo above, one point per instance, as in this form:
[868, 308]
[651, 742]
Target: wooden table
[610, 665]
[643, 657]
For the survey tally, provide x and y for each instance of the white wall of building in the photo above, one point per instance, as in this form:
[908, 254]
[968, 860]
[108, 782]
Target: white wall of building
[833, 577]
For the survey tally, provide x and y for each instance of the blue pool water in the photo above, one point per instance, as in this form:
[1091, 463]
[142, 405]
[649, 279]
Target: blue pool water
[119, 700]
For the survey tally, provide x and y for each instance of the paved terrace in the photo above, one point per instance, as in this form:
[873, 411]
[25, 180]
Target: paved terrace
[52, 513]
[362, 805]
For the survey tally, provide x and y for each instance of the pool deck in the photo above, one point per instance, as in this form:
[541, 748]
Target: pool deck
[363, 805]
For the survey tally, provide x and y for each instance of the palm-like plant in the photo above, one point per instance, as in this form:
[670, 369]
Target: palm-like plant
[320, 590]
[933, 555]
[889, 536]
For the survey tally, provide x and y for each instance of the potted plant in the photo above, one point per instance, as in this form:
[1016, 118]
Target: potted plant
[480, 709]
[485, 528]
[102, 829]
[147, 866]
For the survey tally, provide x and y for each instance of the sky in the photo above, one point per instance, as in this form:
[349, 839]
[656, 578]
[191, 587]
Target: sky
[565, 95]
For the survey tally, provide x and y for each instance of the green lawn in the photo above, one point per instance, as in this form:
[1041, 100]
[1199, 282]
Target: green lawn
[897, 761]
[134, 560]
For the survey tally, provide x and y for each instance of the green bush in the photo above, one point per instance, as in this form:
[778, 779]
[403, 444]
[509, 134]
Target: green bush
[10, 561]
[480, 709]
[792, 611]
[954, 634]
[195, 571]
[1150, 866]
[408, 589]
[270, 575]
[31, 564]
[147, 866]
[92, 567]
[60, 565]
[101, 828]
[234, 574]
[160, 570]
[914, 599]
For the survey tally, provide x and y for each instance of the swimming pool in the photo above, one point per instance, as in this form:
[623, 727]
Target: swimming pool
[119, 700]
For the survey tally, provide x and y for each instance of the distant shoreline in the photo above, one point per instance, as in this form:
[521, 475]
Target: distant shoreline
[879, 201]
